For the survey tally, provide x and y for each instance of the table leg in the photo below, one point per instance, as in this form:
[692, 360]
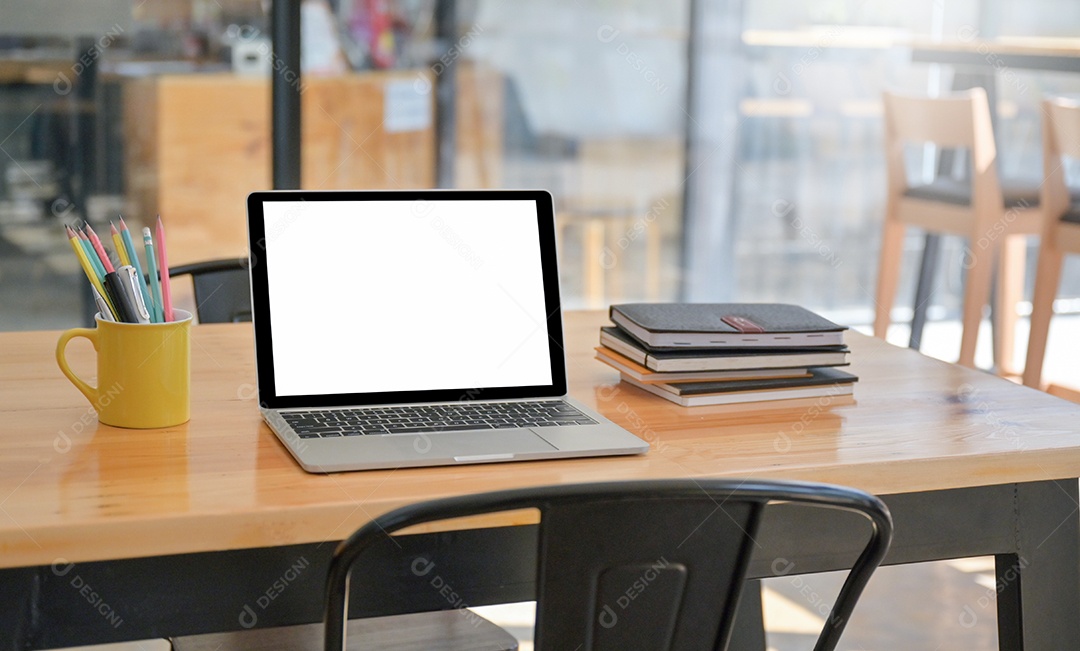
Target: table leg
[1038, 587]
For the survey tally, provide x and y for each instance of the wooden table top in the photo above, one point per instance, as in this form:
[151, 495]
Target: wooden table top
[880, 38]
[73, 489]
[1036, 46]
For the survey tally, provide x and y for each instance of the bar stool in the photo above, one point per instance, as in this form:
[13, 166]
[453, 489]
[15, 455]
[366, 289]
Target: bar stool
[1061, 234]
[993, 220]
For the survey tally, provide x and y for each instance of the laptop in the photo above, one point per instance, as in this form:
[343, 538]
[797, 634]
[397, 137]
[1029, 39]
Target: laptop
[414, 328]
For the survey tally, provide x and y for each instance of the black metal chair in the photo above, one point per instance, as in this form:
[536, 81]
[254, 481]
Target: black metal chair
[643, 565]
[222, 289]
[656, 565]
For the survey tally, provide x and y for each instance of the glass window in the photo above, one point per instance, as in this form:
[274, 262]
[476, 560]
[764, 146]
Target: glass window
[707, 150]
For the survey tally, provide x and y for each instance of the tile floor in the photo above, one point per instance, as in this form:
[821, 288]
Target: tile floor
[912, 608]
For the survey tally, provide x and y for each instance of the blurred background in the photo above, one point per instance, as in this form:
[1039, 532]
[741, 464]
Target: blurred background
[706, 150]
[701, 150]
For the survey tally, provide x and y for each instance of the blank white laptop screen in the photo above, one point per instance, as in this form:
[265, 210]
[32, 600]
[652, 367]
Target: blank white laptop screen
[373, 296]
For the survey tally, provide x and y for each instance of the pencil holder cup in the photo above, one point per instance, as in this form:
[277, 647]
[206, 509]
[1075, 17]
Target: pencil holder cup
[143, 371]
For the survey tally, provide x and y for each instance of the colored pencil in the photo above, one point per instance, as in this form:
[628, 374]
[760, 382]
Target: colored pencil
[163, 269]
[121, 252]
[100, 249]
[151, 267]
[88, 268]
[91, 254]
[133, 256]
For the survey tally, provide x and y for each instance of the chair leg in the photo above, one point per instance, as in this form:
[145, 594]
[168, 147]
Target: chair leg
[892, 249]
[927, 273]
[1010, 291]
[976, 295]
[1047, 278]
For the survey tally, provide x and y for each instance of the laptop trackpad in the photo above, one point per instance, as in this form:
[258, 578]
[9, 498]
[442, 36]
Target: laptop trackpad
[477, 446]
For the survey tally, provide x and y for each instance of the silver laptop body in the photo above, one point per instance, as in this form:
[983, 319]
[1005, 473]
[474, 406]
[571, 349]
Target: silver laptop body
[414, 328]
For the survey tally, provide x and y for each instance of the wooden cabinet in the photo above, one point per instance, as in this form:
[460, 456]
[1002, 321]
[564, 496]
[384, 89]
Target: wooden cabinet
[196, 145]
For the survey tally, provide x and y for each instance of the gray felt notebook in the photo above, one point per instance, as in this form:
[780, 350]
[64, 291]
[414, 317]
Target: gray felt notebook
[726, 325]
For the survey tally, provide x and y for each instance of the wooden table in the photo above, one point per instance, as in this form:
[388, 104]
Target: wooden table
[1000, 54]
[111, 534]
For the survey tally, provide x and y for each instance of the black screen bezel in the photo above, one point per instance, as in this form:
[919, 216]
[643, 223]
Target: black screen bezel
[260, 300]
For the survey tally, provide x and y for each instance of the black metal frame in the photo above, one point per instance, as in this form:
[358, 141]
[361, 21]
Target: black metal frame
[646, 500]
[285, 92]
[1030, 528]
[217, 284]
[209, 266]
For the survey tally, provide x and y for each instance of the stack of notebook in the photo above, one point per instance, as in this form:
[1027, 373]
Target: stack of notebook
[725, 353]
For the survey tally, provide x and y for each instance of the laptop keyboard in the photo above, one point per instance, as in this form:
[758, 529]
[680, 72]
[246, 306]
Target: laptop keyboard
[324, 423]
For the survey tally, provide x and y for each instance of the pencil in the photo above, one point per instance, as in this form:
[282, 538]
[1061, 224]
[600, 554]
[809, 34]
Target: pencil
[163, 269]
[133, 256]
[100, 249]
[151, 268]
[88, 268]
[121, 252]
[91, 254]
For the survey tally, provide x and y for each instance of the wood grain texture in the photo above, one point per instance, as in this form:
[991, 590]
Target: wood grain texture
[478, 159]
[71, 488]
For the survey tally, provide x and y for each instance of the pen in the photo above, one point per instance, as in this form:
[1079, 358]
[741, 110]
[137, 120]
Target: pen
[125, 311]
[133, 256]
[121, 252]
[103, 307]
[151, 267]
[100, 249]
[163, 269]
[91, 273]
[130, 286]
[135, 281]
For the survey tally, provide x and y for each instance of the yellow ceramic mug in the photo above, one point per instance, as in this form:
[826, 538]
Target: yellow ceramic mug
[144, 375]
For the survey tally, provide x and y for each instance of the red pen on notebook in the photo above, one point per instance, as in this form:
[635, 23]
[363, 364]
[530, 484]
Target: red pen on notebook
[163, 269]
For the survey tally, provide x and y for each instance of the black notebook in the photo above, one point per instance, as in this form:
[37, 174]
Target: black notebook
[726, 325]
[713, 359]
[822, 382]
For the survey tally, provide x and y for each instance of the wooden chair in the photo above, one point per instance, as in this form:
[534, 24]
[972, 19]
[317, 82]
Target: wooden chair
[624, 565]
[1061, 229]
[993, 220]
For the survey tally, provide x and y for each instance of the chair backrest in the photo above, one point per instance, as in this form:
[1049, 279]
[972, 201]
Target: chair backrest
[959, 120]
[1061, 137]
[222, 289]
[635, 565]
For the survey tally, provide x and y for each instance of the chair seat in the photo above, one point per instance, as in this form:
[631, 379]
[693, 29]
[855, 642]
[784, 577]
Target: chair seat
[446, 630]
[1016, 194]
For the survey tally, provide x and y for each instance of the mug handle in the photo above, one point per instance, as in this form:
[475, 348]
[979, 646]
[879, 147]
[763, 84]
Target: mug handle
[61, 359]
